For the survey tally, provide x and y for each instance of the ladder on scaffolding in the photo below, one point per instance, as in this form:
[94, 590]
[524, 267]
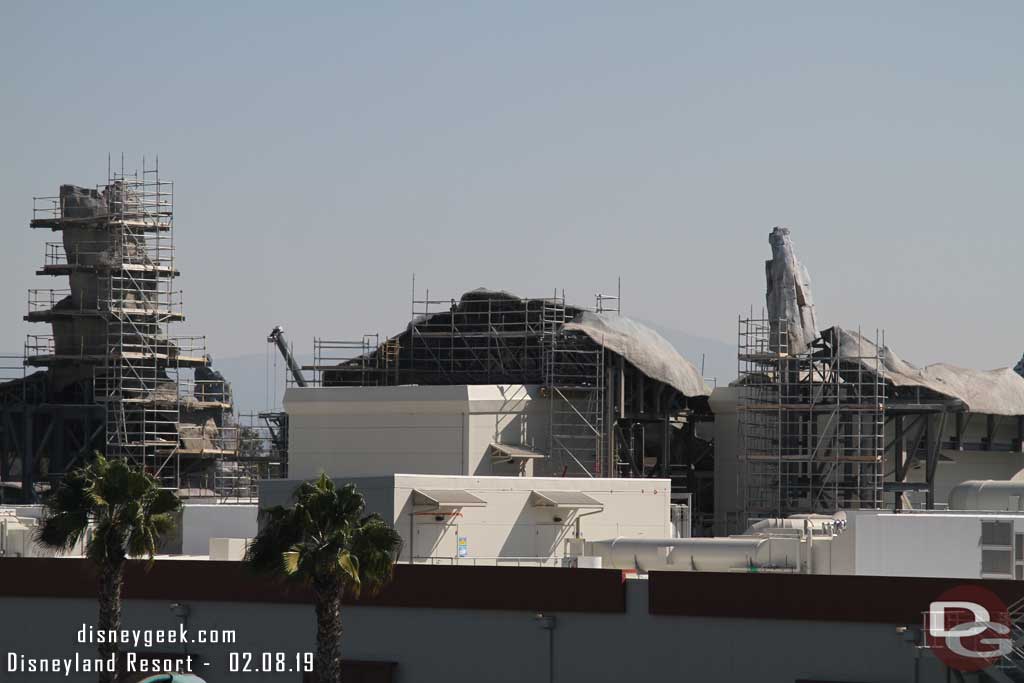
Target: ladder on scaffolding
[574, 384]
[138, 382]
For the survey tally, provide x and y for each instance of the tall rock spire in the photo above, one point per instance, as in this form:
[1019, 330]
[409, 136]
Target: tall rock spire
[789, 296]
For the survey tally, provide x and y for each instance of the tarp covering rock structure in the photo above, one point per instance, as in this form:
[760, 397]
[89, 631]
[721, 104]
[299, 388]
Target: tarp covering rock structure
[810, 440]
[825, 415]
[990, 392]
[788, 297]
[644, 348]
[624, 402]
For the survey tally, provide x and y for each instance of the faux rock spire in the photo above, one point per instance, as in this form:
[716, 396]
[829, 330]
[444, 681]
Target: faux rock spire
[789, 295]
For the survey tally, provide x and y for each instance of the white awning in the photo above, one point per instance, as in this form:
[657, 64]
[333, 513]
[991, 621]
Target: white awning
[506, 451]
[565, 499]
[447, 498]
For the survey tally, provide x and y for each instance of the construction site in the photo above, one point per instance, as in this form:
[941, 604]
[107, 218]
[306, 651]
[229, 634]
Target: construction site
[620, 401]
[499, 434]
[816, 421]
[111, 375]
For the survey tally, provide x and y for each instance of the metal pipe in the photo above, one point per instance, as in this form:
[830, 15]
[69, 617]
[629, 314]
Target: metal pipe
[580, 516]
[707, 554]
[547, 622]
[987, 495]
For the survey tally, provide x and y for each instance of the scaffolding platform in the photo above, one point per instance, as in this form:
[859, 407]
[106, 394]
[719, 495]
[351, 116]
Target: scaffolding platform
[811, 427]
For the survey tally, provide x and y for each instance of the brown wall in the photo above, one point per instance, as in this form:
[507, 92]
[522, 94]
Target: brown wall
[870, 599]
[510, 588]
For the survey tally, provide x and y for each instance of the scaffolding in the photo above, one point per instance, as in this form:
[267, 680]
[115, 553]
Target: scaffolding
[491, 337]
[254, 447]
[354, 362]
[484, 338]
[574, 385]
[811, 425]
[136, 382]
[111, 327]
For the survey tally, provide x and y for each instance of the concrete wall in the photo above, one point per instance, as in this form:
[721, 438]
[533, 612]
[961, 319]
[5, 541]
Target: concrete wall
[200, 523]
[508, 414]
[509, 526]
[465, 645]
[374, 431]
[728, 503]
[369, 431]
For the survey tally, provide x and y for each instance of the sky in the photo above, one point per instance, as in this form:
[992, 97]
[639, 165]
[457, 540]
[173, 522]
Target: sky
[323, 153]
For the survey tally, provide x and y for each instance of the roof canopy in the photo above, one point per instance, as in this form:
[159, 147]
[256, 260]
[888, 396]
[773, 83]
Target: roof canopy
[446, 498]
[644, 348]
[507, 451]
[564, 499]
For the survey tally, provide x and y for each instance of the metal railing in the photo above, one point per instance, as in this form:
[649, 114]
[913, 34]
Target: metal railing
[46, 299]
[205, 390]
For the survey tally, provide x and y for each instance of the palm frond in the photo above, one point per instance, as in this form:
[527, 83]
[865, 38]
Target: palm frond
[324, 537]
[377, 545]
[66, 513]
[349, 565]
[290, 561]
[127, 508]
[281, 529]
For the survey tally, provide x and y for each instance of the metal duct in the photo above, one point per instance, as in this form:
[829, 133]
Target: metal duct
[987, 494]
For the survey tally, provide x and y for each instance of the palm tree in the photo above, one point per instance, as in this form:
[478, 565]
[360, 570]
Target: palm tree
[128, 513]
[325, 542]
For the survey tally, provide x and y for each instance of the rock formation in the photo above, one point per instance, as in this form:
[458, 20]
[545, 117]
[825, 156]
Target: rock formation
[789, 296]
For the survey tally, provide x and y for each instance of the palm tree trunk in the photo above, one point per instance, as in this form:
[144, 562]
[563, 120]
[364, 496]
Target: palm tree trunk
[111, 580]
[327, 596]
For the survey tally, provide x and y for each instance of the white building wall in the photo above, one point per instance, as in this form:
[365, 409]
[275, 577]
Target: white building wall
[728, 504]
[200, 523]
[377, 431]
[927, 544]
[370, 431]
[510, 526]
[508, 414]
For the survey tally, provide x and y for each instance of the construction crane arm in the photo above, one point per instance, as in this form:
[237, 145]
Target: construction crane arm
[276, 336]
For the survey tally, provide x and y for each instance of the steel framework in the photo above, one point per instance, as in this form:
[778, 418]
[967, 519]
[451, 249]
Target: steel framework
[111, 347]
[490, 338]
[812, 425]
[574, 383]
[604, 416]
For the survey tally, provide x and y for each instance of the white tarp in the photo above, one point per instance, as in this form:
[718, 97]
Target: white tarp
[648, 351]
[990, 392]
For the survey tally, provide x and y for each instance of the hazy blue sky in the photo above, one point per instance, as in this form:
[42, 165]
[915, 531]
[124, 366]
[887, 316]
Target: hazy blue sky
[323, 152]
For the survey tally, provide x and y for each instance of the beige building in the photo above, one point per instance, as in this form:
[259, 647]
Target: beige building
[505, 520]
[373, 431]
